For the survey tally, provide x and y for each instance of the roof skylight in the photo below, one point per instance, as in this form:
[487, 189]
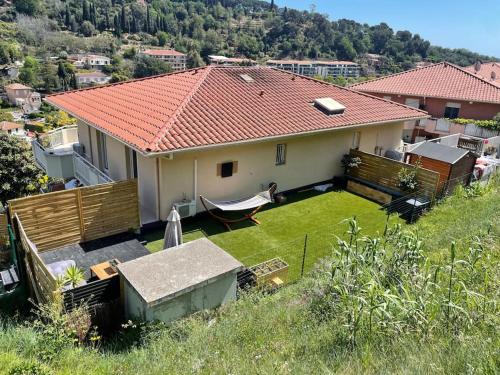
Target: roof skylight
[329, 106]
[246, 78]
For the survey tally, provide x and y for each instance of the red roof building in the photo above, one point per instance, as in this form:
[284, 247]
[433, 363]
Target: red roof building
[488, 71]
[217, 105]
[226, 132]
[444, 90]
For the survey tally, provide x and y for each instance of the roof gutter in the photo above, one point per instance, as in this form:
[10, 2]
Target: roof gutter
[410, 95]
[278, 137]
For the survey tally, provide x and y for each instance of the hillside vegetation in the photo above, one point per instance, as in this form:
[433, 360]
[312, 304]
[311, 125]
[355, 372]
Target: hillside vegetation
[422, 299]
[251, 28]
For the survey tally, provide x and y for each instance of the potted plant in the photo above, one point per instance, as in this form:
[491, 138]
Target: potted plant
[407, 178]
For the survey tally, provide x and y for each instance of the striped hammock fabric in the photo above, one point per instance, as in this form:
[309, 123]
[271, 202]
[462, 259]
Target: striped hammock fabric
[243, 204]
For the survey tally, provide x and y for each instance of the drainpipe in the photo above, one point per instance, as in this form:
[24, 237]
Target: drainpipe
[195, 178]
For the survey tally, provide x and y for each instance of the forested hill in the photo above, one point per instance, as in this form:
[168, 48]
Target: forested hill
[250, 28]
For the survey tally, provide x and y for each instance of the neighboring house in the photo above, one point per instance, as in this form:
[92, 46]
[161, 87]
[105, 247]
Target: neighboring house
[90, 61]
[91, 78]
[488, 71]
[227, 132]
[24, 97]
[177, 60]
[445, 91]
[311, 68]
[12, 128]
[230, 61]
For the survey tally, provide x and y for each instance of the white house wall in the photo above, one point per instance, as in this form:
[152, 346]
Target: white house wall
[309, 159]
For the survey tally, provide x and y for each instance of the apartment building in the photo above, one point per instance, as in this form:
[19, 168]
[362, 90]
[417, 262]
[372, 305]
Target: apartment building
[177, 60]
[312, 68]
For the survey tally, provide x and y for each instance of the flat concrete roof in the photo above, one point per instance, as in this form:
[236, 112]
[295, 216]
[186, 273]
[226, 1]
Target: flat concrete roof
[166, 274]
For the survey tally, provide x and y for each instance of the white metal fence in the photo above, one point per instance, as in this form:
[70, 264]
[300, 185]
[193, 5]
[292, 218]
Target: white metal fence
[87, 173]
[39, 154]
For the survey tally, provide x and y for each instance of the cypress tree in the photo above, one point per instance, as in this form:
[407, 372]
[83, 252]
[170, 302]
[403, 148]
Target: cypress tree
[67, 17]
[148, 20]
[85, 11]
[124, 18]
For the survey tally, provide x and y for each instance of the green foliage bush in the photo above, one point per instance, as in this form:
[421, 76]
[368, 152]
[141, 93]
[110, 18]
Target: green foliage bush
[29, 368]
[19, 175]
[488, 124]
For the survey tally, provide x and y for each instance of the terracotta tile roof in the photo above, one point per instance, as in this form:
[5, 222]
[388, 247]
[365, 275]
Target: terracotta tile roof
[215, 105]
[489, 71]
[162, 52]
[443, 80]
[7, 125]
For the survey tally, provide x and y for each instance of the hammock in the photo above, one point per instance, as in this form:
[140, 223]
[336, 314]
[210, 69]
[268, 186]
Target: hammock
[256, 203]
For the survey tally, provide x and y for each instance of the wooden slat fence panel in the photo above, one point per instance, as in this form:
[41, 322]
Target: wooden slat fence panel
[384, 172]
[72, 216]
[50, 220]
[109, 209]
[43, 282]
[4, 234]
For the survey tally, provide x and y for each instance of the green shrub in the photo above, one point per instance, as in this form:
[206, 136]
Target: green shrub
[29, 368]
[35, 128]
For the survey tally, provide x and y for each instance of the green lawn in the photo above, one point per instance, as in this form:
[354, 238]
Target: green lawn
[283, 229]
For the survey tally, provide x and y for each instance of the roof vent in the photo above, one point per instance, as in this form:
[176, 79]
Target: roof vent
[329, 106]
[246, 78]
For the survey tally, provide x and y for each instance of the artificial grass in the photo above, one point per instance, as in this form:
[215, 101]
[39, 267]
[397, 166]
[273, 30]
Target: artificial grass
[283, 228]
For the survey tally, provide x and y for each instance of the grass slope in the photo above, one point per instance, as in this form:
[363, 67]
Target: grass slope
[279, 334]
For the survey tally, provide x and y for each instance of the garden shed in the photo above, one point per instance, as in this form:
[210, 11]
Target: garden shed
[454, 165]
[179, 281]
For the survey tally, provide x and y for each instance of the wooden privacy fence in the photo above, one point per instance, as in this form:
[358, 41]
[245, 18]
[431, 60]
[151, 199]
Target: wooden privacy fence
[383, 172]
[4, 234]
[73, 216]
[43, 282]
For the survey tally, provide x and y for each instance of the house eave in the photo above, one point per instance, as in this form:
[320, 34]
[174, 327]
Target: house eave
[413, 95]
[279, 137]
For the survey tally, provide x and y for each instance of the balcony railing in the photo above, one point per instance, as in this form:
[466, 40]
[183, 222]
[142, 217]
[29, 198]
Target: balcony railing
[64, 136]
[39, 154]
[87, 173]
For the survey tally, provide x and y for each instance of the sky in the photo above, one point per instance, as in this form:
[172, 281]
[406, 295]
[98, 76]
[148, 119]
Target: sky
[471, 24]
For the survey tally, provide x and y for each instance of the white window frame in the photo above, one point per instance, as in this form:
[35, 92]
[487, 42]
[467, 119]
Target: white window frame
[410, 102]
[281, 154]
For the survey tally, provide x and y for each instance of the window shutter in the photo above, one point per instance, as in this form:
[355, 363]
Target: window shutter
[235, 167]
[219, 169]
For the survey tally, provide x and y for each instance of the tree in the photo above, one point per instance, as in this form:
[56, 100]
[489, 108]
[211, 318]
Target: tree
[147, 66]
[59, 119]
[162, 38]
[48, 75]
[6, 116]
[87, 29]
[28, 74]
[29, 7]
[19, 175]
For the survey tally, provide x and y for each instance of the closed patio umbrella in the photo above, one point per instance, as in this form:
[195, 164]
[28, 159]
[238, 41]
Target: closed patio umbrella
[173, 231]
